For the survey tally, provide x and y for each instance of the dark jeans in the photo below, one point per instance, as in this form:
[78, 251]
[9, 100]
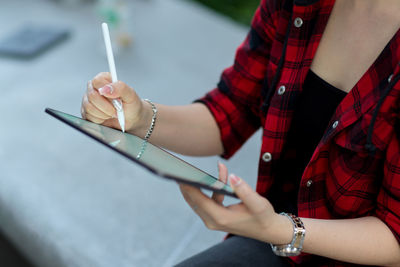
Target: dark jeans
[236, 251]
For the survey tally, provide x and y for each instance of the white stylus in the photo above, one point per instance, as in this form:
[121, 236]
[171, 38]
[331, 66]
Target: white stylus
[111, 64]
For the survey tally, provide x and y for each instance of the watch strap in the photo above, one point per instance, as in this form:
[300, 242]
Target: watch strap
[295, 247]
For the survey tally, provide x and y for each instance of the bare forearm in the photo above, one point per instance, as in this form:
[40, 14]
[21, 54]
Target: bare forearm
[189, 130]
[364, 240]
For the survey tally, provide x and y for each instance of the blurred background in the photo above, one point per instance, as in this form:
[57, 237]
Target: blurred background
[68, 201]
[241, 11]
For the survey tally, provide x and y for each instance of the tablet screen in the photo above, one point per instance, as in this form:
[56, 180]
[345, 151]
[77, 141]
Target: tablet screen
[149, 156]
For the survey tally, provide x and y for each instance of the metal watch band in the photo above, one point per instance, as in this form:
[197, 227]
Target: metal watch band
[293, 248]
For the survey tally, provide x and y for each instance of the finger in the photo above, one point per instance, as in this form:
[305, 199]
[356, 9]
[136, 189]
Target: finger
[223, 172]
[188, 191]
[223, 177]
[119, 90]
[94, 119]
[205, 206]
[113, 123]
[185, 194]
[100, 102]
[88, 107]
[210, 213]
[187, 197]
[94, 111]
[101, 79]
[253, 201]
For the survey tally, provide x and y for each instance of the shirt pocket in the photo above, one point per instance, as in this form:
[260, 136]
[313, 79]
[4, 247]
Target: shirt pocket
[354, 136]
[354, 174]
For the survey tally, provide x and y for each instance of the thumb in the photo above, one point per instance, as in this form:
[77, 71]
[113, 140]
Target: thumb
[253, 201]
[119, 90]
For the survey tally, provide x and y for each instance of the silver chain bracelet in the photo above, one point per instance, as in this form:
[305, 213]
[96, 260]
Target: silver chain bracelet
[150, 130]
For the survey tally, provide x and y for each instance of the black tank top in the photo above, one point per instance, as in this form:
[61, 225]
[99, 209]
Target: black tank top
[314, 109]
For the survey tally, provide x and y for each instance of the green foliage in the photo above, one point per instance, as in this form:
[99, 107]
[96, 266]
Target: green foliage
[241, 11]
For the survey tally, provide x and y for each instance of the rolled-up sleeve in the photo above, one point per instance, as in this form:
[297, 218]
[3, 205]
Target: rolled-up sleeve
[235, 103]
[388, 202]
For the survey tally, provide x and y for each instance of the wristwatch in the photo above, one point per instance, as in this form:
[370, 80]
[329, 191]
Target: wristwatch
[293, 248]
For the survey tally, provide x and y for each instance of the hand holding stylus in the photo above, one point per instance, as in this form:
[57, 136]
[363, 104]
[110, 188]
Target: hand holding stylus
[97, 104]
[109, 101]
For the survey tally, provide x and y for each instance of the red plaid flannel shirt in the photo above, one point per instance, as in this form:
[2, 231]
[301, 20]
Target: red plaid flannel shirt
[342, 180]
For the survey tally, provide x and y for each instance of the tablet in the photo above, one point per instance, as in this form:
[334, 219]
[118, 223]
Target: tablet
[147, 155]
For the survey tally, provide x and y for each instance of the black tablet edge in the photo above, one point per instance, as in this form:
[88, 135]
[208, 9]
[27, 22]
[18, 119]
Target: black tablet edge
[221, 191]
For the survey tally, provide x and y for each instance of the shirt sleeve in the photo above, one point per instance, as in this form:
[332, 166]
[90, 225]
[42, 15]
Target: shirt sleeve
[236, 102]
[388, 201]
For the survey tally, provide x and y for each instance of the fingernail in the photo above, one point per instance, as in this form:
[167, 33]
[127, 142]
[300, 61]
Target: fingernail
[108, 89]
[234, 180]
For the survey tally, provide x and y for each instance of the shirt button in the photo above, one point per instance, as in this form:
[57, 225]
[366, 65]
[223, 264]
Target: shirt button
[309, 183]
[298, 22]
[281, 90]
[335, 124]
[390, 78]
[267, 157]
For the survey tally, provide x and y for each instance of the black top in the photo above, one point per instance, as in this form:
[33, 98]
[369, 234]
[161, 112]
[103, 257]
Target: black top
[314, 109]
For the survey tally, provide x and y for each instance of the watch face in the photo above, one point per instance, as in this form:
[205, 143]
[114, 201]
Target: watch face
[285, 250]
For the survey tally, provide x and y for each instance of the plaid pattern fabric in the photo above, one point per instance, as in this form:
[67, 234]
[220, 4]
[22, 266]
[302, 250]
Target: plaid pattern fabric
[342, 180]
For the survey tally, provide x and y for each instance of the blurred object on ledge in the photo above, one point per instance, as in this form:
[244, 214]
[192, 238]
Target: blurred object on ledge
[115, 14]
[32, 40]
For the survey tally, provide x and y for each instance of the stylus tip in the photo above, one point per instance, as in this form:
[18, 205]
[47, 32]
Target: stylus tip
[121, 120]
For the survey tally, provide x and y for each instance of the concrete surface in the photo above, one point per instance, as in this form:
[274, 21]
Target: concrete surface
[66, 200]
